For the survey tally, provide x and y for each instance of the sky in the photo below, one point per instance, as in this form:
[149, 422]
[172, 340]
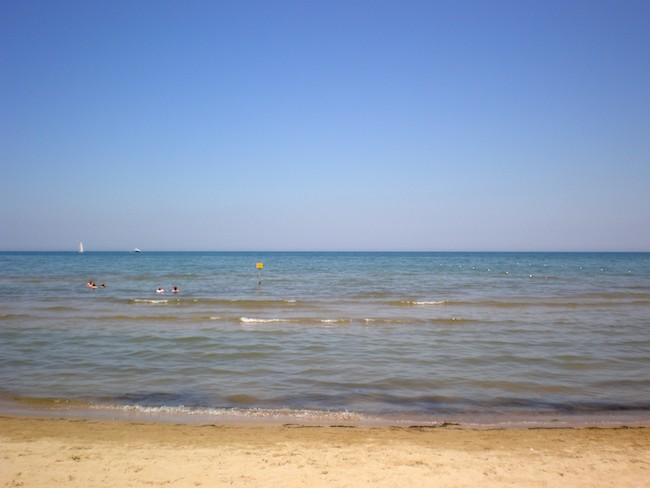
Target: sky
[303, 125]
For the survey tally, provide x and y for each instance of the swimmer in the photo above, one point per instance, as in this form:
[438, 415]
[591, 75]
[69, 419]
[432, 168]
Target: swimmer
[175, 289]
[160, 291]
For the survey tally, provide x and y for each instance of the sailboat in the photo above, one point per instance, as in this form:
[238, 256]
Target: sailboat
[81, 247]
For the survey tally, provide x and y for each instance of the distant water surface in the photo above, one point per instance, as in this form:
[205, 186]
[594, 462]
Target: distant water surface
[400, 336]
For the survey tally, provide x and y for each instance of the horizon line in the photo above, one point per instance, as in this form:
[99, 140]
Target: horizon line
[314, 251]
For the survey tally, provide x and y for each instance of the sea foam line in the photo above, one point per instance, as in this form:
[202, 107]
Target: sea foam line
[423, 303]
[249, 320]
[151, 301]
[244, 413]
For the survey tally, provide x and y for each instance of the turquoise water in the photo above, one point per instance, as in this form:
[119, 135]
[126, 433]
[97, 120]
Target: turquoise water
[401, 336]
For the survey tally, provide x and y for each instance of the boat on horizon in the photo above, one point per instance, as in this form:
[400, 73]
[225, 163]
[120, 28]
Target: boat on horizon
[81, 247]
[137, 250]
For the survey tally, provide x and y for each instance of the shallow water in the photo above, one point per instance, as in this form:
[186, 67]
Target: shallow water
[351, 335]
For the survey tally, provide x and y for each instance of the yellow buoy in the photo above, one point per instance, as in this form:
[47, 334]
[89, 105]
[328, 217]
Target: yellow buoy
[259, 266]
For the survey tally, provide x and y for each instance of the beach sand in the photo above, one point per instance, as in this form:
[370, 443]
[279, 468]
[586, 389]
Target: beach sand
[43, 452]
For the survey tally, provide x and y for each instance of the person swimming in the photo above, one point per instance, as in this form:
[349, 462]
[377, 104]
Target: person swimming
[175, 289]
[160, 291]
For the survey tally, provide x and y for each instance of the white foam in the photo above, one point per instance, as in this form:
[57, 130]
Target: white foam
[249, 320]
[282, 414]
[425, 303]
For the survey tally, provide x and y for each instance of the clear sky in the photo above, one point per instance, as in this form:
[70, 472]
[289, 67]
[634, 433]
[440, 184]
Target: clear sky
[325, 125]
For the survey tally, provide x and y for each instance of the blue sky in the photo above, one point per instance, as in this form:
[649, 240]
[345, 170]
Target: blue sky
[329, 125]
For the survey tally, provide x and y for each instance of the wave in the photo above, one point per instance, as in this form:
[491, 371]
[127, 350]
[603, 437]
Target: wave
[230, 303]
[149, 318]
[349, 320]
[248, 320]
[532, 302]
[591, 301]
[429, 409]
[205, 413]
[305, 321]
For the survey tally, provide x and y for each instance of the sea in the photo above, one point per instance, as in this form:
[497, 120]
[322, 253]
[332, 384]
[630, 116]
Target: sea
[491, 339]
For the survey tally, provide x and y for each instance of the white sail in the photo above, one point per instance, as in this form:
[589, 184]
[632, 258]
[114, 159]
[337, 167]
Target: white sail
[81, 247]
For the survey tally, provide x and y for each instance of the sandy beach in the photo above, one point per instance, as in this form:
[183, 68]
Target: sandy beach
[40, 452]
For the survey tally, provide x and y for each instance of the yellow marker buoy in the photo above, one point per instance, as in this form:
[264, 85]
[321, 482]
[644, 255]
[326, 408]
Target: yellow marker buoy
[260, 267]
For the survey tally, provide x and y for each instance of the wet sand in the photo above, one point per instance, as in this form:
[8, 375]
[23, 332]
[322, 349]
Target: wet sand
[42, 452]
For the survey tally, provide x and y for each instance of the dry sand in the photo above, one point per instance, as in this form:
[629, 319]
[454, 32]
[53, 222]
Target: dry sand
[43, 452]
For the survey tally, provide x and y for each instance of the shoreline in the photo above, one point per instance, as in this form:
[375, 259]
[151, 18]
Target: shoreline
[61, 408]
[48, 450]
